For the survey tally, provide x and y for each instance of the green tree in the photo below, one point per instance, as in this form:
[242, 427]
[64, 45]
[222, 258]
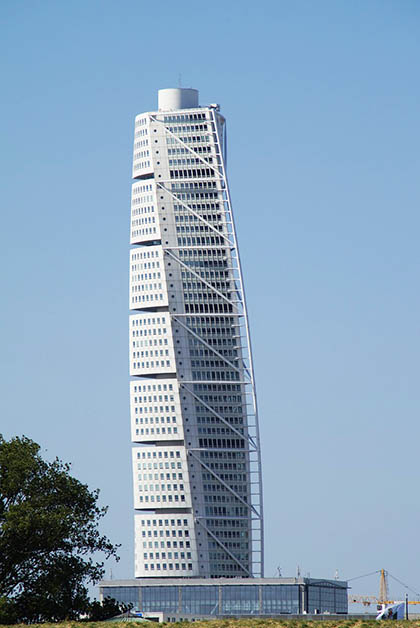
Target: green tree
[100, 611]
[48, 534]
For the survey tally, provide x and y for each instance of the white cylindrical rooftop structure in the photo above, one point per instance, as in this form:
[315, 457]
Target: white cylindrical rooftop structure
[177, 98]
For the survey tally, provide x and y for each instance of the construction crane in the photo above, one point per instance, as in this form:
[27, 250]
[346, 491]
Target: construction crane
[383, 597]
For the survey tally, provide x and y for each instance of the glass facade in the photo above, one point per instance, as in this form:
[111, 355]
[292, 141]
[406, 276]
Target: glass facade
[163, 599]
[127, 595]
[324, 596]
[199, 600]
[239, 599]
[275, 602]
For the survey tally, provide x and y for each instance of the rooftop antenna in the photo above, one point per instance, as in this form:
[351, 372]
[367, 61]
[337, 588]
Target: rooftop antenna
[279, 571]
[297, 571]
[336, 575]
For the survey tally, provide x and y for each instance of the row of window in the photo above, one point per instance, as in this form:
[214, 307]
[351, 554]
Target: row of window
[158, 465]
[227, 411]
[156, 488]
[161, 476]
[164, 522]
[146, 266]
[228, 523]
[145, 276]
[190, 161]
[201, 195]
[148, 332]
[221, 286]
[218, 388]
[164, 544]
[151, 365]
[210, 275]
[199, 252]
[165, 499]
[141, 254]
[214, 431]
[154, 420]
[185, 151]
[223, 511]
[189, 139]
[145, 231]
[140, 198]
[146, 409]
[204, 296]
[191, 185]
[144, 287]
[221, 443]
[142, 165]
[138, 321]
[153, 388]
[147, 298]
[141, 143]
[144, 209]
[191, 173]
[168, 566]
[203, 308]
[184, 117]
[141, 154]
[198, 207]
[186, 128]
[199, 228]
[201, 241]
[163, 555]
[168, 431]
[226, 455]
[143, 221]
[158, 454]
[191, 218]
[151, 354]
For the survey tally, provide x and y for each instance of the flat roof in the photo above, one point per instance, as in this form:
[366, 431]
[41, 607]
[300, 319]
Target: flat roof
[147, 582]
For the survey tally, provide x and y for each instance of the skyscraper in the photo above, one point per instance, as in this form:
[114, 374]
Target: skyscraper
[194, 421]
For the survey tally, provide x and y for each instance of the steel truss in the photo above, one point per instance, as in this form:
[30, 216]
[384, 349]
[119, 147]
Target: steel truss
[252, 435]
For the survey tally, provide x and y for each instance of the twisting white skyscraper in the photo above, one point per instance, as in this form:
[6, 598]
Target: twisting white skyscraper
[196, 463]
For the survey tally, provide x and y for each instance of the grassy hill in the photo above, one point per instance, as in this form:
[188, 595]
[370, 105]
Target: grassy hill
[239, 623]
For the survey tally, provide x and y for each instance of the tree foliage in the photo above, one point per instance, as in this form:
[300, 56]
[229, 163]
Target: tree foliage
[48, 533]
[100, 611]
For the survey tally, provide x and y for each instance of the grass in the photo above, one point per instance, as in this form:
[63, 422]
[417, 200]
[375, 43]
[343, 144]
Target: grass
[238, 623]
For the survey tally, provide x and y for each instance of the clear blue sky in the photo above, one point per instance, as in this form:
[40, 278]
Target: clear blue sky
[322, 101]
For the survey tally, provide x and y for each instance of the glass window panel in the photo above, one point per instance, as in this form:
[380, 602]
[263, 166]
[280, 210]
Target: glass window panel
[279, 599]
[240, 600]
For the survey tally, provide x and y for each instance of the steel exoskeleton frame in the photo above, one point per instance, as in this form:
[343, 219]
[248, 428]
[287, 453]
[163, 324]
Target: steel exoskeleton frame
[240, 311]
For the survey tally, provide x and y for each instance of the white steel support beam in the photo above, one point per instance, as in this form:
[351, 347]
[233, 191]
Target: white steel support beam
[174, 257]
[219, 355]
[219, 542]
[216, 170]
[208, 224]
[219, 416]
[248, 336]
[229, 488]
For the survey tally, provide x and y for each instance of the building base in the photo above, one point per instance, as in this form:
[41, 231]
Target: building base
[174, 599]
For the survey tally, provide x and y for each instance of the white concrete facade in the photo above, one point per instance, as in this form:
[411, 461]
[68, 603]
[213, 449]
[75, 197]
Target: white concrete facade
[194, 421]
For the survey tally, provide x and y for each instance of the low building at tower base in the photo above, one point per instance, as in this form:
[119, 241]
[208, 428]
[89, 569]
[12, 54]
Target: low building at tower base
[175, 599]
